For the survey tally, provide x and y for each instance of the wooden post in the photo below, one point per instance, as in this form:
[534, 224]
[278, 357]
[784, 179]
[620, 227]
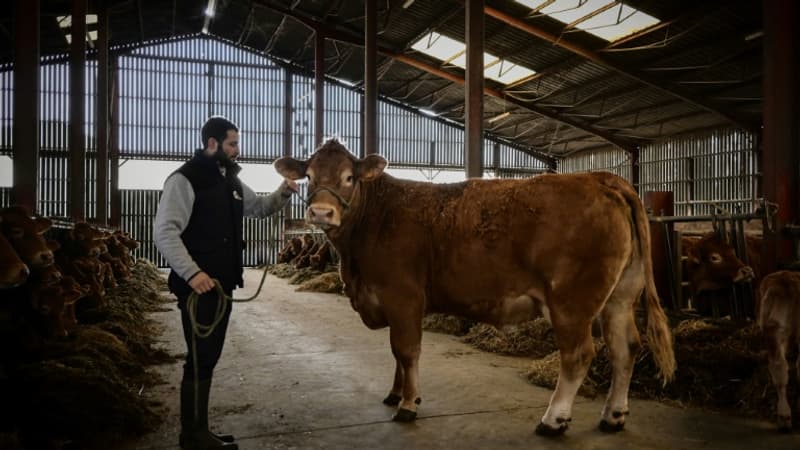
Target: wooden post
[662, 203]
[26, 104]
[77, 113]
[474, 89]
[370, 77]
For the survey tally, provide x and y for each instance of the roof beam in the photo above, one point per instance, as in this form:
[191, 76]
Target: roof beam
[355, 39]
[619, 68]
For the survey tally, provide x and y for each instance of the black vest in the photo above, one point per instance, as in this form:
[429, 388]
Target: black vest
[214, 233]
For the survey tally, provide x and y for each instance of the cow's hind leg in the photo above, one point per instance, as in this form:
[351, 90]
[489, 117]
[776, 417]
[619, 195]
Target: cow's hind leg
[777, 337]
[396, 394]
[623, 342]
[406, 339]
[577, 350]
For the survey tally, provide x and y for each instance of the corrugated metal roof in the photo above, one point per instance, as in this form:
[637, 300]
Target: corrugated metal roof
[703, 65]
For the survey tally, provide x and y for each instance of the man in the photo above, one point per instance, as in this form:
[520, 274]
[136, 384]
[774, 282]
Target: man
[198, 230]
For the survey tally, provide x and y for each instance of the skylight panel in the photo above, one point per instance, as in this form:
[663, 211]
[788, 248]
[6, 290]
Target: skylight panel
[439, 46]
[617, 22]
[607, 19]
[453, 52]
[507, 72]
[568, 11]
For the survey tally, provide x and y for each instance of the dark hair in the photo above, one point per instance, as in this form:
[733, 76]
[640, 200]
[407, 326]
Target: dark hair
[217, 127]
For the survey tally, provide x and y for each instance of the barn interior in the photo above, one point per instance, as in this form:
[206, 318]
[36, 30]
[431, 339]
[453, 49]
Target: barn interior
[694, 103]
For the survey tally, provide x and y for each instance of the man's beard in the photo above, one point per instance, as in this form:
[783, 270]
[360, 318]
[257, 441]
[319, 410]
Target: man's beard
[223, 158]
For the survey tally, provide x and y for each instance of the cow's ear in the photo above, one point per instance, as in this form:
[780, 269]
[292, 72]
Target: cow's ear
[42, 224]
[291, 168]
[694, 256]
[53, 245]
[16, 232]
[371, 167]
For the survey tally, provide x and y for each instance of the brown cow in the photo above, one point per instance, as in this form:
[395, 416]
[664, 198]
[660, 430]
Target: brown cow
[712, 264]
[569, 247]
[13, 270]
[779, 320]
[25, 235]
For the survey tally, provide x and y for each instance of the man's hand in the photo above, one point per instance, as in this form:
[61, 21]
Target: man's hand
[201, 283]
[291, 187]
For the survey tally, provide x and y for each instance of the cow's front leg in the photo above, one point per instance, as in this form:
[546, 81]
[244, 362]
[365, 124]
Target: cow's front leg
[406, 338]
[396, 394]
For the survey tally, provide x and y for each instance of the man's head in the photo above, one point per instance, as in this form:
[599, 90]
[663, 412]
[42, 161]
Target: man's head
[221, 139]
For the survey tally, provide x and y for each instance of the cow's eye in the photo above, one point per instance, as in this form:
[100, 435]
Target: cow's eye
[349, 178]
[715, 258]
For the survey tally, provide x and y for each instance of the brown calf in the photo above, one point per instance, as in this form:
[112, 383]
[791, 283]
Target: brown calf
[25, 235]
[779, 320]
[13, 270]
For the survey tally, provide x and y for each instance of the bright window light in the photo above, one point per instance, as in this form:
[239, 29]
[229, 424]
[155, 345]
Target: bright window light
[453, 52]
[66, 21]
[607, 19]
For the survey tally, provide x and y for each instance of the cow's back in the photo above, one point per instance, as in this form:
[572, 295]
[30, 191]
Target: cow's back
[480, 242]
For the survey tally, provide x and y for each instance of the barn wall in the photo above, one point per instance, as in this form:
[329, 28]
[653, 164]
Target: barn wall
[167, 90]
[610, 160]
[716, 168]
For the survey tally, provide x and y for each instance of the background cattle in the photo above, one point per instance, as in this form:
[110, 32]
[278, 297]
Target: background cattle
[569, 247]
[712, 268]
[779, 320]
[25, 235]
[13, 270]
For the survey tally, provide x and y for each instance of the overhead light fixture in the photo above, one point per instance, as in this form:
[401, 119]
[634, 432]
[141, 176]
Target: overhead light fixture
[408, 3]
[500, 116]
[428, 112]
[754, 35]
[209, 13]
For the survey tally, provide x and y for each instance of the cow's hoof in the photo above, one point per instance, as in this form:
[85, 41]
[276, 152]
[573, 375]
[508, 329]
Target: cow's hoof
[608, 427]
[546, 430]
[392, 400]
[784, 424]
[404, 415]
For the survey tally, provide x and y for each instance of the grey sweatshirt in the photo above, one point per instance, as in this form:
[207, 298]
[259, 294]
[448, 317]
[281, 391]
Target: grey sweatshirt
[175, 209]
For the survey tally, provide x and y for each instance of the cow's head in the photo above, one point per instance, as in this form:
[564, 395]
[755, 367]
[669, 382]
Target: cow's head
[712, 264]
[334, 176]
[13, 271]
[25, 235]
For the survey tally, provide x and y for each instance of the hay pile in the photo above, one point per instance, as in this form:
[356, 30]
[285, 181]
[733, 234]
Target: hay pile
[303, 275]
[533, 338]
[85, 390]
[282, 270]
[445, 323]
[328, 282]
[721, 366]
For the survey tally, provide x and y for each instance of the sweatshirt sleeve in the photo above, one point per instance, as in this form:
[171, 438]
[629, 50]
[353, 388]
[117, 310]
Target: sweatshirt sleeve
[264, 206]
[172, 218]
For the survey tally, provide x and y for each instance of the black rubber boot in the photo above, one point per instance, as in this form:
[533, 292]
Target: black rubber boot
[194, 430]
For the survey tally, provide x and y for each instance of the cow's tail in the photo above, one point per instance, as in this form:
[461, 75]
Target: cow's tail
[659, 336]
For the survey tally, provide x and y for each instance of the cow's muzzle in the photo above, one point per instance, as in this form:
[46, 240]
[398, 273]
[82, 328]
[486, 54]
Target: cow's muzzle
[323, 215]
[744, 275]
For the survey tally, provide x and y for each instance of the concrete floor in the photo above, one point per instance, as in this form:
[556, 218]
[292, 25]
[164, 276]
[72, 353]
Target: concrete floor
[301, 371]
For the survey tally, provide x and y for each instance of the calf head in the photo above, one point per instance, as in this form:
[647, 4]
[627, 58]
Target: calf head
[13, 271]
[334, 176]
[25, 235]
[125, 239]
[712, 264]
